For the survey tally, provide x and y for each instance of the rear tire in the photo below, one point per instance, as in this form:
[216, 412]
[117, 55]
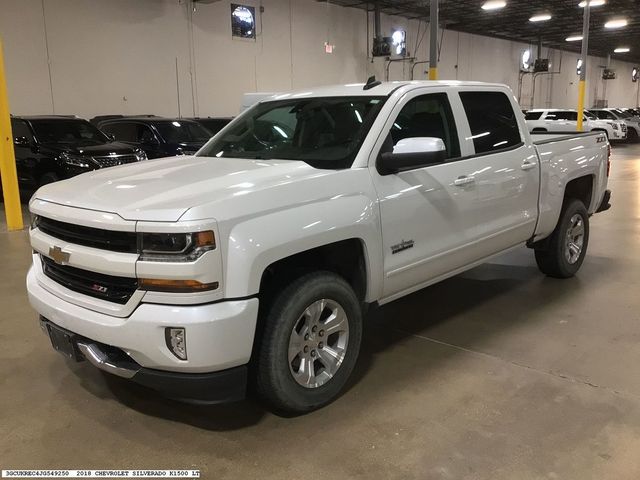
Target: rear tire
[300, 366]
[567, 246]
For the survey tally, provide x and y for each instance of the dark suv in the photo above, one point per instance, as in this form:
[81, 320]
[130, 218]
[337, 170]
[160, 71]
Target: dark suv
[213, 124]
[51, 148]
[158, 136]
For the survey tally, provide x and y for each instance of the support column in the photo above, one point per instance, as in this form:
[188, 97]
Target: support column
[583, 72]
[10, 191]
[433, 40]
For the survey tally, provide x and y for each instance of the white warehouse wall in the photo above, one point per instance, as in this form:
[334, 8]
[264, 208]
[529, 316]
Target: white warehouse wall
[120, 56]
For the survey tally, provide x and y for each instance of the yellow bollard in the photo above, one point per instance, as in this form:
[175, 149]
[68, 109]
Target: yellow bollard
[8, 172]
[433, 73]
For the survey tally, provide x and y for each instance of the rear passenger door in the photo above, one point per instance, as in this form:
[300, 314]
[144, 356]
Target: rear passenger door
[504, 169]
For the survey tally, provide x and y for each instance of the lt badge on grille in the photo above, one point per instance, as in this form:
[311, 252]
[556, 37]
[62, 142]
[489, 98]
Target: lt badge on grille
[58, 256]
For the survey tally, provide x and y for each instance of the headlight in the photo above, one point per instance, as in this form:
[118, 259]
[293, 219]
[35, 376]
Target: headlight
[140, 155]
[176, 247]
[35, 220]
[77, 161]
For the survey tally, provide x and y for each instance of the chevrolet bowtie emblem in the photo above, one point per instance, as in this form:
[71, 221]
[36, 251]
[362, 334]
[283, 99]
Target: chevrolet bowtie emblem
[58, 255]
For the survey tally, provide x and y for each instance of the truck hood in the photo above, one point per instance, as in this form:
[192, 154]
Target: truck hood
[163, 190]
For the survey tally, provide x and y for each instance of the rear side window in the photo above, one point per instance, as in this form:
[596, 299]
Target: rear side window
[532, 115]
[567, 115]
[492, 120]
[21, 129]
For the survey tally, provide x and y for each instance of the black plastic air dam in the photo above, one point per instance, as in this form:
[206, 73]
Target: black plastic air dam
[202, 388]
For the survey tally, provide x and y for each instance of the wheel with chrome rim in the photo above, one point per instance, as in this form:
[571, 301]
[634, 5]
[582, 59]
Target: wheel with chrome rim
[318, 343]
[574, 239]
[310, 343]
[562, 254]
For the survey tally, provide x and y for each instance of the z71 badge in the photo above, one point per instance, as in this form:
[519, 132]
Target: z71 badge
[403, 245]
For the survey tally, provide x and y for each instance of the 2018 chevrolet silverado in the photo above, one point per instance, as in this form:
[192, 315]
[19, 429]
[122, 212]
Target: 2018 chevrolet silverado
[250, 263]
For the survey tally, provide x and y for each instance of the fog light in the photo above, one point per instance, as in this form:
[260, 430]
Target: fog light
[176, 341]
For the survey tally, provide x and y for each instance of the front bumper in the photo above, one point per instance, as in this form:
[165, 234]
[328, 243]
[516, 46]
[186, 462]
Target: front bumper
[214, 387]
[219, 340]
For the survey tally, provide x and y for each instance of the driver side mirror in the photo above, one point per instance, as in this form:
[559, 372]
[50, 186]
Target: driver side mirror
[21, 142]
[412, 153]
[111, 136]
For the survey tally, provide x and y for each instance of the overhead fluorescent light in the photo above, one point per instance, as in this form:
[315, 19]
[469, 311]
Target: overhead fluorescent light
[622, 50]
[618, 23]
[592, 3]
[574, 38]
[540, 18]
[494, 4]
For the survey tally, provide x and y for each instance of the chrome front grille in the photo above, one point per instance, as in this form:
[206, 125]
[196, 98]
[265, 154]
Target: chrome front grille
[114, 160]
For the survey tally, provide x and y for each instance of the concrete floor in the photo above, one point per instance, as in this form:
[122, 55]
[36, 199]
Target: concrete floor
[499, 373]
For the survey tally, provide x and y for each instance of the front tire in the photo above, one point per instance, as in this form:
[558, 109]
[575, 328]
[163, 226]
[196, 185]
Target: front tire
[310, 343]
[568, 243]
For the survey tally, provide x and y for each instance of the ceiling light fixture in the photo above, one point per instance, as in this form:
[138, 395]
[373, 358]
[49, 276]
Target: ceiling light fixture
[574, 38]
[494, 4]
[540, 18]
[618, 23]
[592, 3]
[622, 50]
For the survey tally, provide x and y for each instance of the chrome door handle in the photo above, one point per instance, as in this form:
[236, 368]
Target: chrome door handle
[526, 165]
[464, 180]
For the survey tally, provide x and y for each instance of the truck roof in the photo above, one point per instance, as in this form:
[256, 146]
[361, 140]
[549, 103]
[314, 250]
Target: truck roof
[47, 117]
[383, 89]
[553, 110]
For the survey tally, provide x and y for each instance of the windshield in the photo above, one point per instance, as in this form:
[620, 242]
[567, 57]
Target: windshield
[68, 131]
[590, 115]
[181, 131]
[324, 132]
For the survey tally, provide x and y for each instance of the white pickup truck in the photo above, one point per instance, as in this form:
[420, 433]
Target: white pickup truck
[249, 265]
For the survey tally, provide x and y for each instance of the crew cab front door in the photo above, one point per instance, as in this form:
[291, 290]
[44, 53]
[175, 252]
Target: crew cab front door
[482, 199]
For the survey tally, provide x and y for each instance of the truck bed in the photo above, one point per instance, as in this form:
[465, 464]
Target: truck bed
[540, 138]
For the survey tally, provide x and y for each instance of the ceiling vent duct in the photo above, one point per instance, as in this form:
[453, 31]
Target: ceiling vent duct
[381, 45]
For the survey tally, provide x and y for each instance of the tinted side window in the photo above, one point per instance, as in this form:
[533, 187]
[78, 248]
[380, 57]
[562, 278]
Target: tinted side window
[492, 120]
[563, 115]
[125, 132]
[428, 116]
[144, 134]
[532, 115]
[21, 129]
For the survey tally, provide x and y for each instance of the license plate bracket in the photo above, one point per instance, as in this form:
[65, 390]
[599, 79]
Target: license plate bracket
[64, 342]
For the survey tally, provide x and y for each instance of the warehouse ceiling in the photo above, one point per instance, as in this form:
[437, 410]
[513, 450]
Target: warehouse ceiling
[512, 22]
